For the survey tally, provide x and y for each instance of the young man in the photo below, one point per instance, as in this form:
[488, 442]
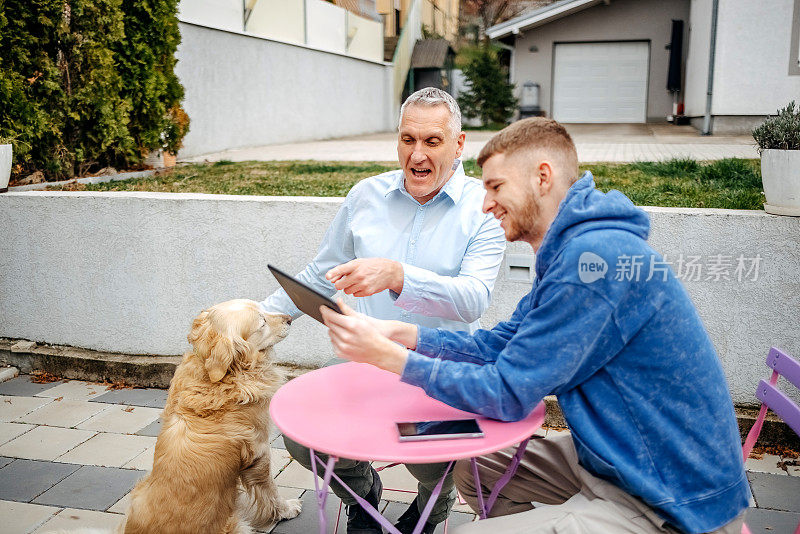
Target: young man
[416, 246]
[607, 327]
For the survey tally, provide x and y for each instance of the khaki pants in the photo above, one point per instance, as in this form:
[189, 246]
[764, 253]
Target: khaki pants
[570, 500]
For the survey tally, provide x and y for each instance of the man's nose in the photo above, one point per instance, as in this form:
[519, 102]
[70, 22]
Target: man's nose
[488, 204]
[418, 155]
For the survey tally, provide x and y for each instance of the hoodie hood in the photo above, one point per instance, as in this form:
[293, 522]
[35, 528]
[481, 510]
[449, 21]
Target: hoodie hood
[584, 209]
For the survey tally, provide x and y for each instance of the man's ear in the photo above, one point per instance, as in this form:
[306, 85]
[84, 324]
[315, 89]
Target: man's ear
[461, 139]
[545, 176]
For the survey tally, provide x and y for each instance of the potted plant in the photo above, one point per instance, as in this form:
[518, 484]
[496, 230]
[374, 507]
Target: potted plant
[778, 140]
[5, 164]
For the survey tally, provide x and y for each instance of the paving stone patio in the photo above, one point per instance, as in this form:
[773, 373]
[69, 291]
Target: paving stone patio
[70, 452]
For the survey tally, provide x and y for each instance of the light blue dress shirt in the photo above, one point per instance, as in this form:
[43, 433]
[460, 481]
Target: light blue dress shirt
[450, 251]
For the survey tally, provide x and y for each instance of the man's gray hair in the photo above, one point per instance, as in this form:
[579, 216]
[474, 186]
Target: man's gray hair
[431, 96]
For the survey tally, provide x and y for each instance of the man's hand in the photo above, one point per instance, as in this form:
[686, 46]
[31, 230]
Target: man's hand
[366, 276]
[355, 338]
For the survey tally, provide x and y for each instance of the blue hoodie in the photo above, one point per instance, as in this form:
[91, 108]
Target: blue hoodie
[608, 329]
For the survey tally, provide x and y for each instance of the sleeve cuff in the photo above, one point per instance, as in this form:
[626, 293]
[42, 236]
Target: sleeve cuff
[418, 369]
[423, 363]
[429, 341]
[279, 302]
[409, 298]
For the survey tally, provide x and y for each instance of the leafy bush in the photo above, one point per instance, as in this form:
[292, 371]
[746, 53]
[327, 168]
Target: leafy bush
[781, 132]
[86, 84]
[489, 96]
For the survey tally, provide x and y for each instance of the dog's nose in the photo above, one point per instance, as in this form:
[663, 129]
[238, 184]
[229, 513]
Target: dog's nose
[289, 320]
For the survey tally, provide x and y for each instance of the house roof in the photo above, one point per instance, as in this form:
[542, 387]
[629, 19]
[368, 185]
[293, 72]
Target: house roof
[541, 16]
[430, 53]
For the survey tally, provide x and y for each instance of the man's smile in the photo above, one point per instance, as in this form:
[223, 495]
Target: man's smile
[421, 173]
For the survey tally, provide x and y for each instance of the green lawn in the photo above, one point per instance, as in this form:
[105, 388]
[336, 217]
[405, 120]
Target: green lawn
[729, 183]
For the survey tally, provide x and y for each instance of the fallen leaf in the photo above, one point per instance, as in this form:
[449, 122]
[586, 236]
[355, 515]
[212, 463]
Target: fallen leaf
[58, 399]
[43, 377]
[129, 409]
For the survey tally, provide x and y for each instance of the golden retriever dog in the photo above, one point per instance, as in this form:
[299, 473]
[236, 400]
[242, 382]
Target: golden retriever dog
[211, 469]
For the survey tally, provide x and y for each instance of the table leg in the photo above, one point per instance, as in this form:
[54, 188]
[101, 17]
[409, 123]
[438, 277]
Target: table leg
[486, 507]
[376, 515]
[426, 512]
[322, 490]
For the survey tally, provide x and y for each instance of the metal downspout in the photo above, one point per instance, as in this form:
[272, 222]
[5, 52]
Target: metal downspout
[711, 53]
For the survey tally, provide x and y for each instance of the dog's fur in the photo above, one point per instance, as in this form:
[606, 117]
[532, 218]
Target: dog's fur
[211, 470]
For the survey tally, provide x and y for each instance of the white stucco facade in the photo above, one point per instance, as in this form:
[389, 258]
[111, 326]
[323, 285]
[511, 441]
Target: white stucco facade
[752, 59]
[242, 91]
[127, 272]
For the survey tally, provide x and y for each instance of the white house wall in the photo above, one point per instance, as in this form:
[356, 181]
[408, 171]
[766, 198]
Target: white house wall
[751, 75]
[242, 90]
[620, 20]
[696, 74]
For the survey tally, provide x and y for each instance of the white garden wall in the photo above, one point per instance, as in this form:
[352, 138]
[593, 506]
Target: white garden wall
[126, 272]
[243, 90]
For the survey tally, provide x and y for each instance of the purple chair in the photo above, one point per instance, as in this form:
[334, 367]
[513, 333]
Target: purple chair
[771, 397]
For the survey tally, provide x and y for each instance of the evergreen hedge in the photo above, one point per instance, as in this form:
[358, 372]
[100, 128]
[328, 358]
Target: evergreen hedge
[86, 84]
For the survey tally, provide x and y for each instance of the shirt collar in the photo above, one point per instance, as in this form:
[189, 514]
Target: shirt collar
[453, 188]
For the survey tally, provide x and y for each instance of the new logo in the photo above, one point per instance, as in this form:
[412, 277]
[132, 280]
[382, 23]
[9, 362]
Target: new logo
[591, 267]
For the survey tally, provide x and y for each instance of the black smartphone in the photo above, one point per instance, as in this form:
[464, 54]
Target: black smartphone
[430, 430]
[307, 299]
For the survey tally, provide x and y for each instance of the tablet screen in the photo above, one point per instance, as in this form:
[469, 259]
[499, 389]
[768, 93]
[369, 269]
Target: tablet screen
[307, 299]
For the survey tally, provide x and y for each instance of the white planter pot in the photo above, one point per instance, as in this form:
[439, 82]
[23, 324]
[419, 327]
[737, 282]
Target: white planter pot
[5, 167]
[780, 174]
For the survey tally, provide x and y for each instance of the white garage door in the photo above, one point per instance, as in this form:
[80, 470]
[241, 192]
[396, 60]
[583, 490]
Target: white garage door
[600, 82]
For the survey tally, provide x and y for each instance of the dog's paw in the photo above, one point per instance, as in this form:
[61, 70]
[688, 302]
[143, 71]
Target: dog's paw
[291, 508]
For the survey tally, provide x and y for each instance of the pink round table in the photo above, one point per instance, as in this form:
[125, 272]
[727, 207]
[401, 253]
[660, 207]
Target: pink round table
[350, 410]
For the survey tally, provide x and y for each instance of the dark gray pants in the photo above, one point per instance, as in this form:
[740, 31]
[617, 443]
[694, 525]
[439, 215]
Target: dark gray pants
[358, 476]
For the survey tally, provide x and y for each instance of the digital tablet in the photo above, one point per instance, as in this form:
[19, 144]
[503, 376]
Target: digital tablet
[308, 300]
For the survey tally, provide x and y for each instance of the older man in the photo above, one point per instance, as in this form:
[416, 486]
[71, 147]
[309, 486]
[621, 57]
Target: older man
[416, 246]
[654, 446]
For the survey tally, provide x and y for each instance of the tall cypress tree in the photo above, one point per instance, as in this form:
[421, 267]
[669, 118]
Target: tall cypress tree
[96, 110]
[147, 64]
[30, 84]
[490, 96]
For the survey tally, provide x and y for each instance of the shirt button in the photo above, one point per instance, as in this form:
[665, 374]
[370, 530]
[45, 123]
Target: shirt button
[413, 241]
[419, 208]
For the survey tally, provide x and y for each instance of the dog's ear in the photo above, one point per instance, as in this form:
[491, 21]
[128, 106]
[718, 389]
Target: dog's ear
[223, 351]
[218, 349]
